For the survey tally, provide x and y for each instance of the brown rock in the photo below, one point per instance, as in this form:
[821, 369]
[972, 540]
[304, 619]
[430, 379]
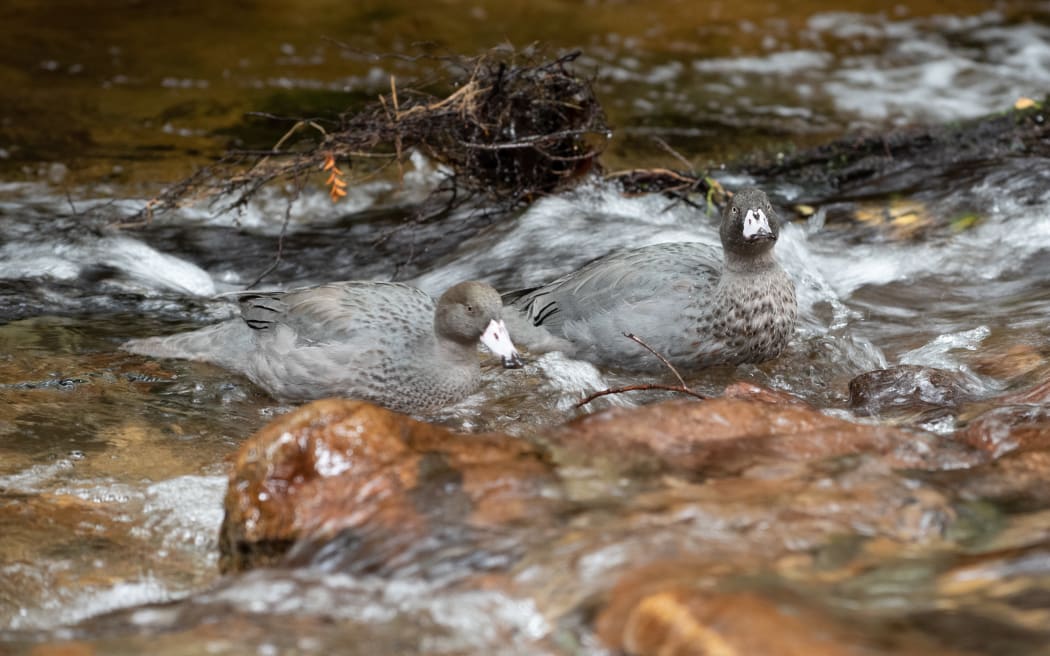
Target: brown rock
[1017, 478]
[904, 388]
[1036, 394]
[63, 649]
[671, 610]
[750, 392]
[338, 465]
[734, 434]
[1008, 362]
[1009, 428]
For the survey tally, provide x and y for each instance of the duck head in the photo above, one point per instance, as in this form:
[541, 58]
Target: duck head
[749, 227]
[473, 311]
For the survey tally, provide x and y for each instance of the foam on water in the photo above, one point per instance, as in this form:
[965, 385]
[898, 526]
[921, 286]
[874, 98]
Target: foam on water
[379, 600]
[91, 602]
[572, 380]
[36, 478]
[186, 511]
[142, 268]
[1014, 228]
[940, 353]
[182, 513]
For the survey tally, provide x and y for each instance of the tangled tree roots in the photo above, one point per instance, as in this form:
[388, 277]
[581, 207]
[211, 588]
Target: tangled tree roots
[511, 130]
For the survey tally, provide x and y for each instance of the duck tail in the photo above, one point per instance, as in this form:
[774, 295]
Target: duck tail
[225, 344]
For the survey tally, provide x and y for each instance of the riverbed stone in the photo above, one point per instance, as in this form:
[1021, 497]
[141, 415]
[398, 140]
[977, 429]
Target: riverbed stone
[728, 435]
[674, 609]
[1038, 394]
[1009, 428]
[904, 388]
[350, 468]
[1008, 362]
[746, 391]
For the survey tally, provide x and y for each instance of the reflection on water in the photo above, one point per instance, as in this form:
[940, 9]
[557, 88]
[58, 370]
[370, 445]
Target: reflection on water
[112, 467]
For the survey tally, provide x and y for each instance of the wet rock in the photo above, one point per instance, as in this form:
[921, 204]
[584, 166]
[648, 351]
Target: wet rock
[1016, 440]
[904, 388]
[1036, 394]
[727, 435]
[1009, 428]
[1009, 362]
[381, 481]
[1018, 479]
[674, 610]
[61, 548]
[751, 392]
[70, 648]
[998, 599]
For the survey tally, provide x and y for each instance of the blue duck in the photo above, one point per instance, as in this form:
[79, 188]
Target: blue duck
[696, 306]
[383, 342]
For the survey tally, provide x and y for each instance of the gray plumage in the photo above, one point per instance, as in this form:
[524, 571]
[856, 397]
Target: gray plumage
[694, 304]
[387, 343]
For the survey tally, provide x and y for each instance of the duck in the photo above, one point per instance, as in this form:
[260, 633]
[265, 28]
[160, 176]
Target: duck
[695, 304]
[384, 342]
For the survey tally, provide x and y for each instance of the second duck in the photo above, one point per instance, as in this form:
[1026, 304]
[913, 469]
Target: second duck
[696, 306]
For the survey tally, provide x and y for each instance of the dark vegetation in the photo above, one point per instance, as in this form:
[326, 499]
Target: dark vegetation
[509, 126]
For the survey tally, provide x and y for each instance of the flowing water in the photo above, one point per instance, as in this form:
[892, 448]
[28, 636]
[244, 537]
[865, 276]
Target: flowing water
[112, 466]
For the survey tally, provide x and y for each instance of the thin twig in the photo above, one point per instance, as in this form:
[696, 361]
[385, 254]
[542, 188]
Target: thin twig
[287, 135]
[681, 388]
[72, 205]
[397, 131]
[526, 142]
[657, 171]
[667, 363]
[674, 153]
[300, 184]
[639, 388]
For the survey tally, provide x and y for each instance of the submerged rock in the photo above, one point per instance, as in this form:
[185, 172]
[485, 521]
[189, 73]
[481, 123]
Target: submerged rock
[676, 610]
[376, 479]
[1009, 362]
[1009, 428]
[746, 391]
[728, 435]
[905, 388]
[1015, 441]
[1037, 394]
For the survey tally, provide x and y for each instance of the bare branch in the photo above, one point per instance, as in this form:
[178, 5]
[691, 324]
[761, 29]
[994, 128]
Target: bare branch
[639, 388]
[681, 387]
[667, 363]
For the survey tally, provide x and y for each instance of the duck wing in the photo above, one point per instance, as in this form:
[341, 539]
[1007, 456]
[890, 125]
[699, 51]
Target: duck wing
[620, 281]
[361, 310]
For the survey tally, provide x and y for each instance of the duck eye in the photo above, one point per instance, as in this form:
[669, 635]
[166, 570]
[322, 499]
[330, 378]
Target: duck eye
[736, 210]
[470, 308]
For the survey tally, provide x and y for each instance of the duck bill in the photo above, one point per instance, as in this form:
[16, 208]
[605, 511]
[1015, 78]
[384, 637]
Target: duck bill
[497, 339]
[756, 226]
